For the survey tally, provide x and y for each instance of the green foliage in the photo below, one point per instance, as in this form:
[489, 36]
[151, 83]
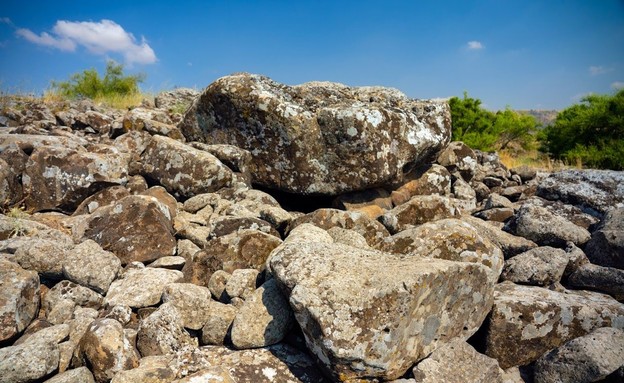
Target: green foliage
[484, 130]
[89, 84]
[591, 132]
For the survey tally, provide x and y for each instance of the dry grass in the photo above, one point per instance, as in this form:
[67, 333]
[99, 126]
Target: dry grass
[115, 101]
[534, 159]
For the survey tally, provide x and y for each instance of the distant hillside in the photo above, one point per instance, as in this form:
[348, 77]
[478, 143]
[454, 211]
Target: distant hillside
[544, 117]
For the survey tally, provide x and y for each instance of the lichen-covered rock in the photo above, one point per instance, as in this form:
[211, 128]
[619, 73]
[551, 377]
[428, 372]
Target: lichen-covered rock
[510, 244]
[225, 225]
[215, 374]
[218, 322]
[236, 159]
[588, 358]
[76, 375]
[59, 302]
[368, 314]
[527, 321]
[60, 178]
[319, 137]
[545, 228]
[153, 369]
[595, 191]
[264, 318]
[184, 171]
[177, 100]
[19, 299]
[568, 212]
[458, 158]
[163, 332]
[370, 201]
[525, 172]
[136, 228]
[457, 362]
[418, 210]
[347, 237]
[45, 256]
[372, 230]
[192, 302]
[498, 214]
[606, 246]
[89, 265]
[103, 197]
[541, 266]
[242, 283]
[423, 180]
[30, 361]
[141, 287]
[244, 249]
[608, 280]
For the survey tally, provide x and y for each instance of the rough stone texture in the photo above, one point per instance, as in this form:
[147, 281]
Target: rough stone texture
[141, 287]
[45, 256]
[183, 170]
[105, 348]
[59, 301]
[510, 244]
[457, 362]
[458, 158]
[242, 283]
[77, 375]
[606, 246]
[136, 228]
[370, 202]
[541, 266]
[587, 358]
[527, 321]
[29, 361]
[179, 98]
[214, 374]
[496, 200]
[525, 172]
[89, 265]
[243, 249]
[264, 318]
[449, 239]
[419, 210]
[423, 180]
[217, 282]
[608, 280]
[218, 322]
[14, 164]
[19, 298]
[169, 262]
[60, 177]
[225, 225]
[347, 237]
[235, 158]
[595, 191]
[153, 369]
[319, 137]
[373, 231]
[103, 197]
[544, 228]
[465, 195]
[568, 212]
[163, 332]
[392, 312]
[499, 214]
[192, 302]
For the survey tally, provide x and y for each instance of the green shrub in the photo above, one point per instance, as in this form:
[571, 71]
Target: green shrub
[591, 132]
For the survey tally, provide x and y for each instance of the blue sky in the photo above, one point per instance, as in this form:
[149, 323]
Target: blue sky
[522, 54]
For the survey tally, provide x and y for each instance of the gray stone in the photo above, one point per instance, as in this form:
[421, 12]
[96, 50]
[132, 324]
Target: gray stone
[242, 283]
[347, 237]
[170, 262]
[608, 280]
[510, 244]
[216, 284]
[30, 361]
[606, 246]
[419, 210]
[178, 99]
[345, 138]
[355, 322]
[587, 358]
[527, 321]
[525, 172]
[89, 265]
[495, 200]
[218, 322]
[19, 299]
[163, 332]
[264, 318]
[215, 374]
[192, 302]
[457, 362]
[459, 159]
[423, 180]
[45, 256]
[568, 212]
[77, 375]
[498, 214]
[542, 266]
[64, 296]
[141, 287]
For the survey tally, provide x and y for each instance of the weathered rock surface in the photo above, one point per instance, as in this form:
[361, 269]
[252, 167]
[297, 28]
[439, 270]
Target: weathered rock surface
[608, 280]
[192, 302]
[163, 332]
[29, 361]
[606, 246]
[59, 302]
[587, 358]
[423, 180]
[526, 321]
[141, 287]
[459, 159]
[392, 312]
[319, 137]
[541, 266]
[19, 298]
[179, 98]
[89, 265]
[371, 202]
[419, 210]
[77, 375]
[457, 362]
[218, 322]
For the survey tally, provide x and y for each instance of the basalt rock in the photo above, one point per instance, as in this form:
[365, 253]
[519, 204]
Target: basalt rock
[319, 137]
[19, 298]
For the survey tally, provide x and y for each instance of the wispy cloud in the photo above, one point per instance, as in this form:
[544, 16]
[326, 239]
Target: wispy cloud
[475, 45]
[598, 70]
[6, 20]
[617, 85]
[99, 38]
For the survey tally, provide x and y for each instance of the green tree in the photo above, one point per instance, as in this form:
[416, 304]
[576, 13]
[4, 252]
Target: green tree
[89, 84]
[592, 132]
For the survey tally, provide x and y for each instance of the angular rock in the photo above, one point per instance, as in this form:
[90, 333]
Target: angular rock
[216, 284]
[77, 375]
[366, 201]
[91, 266]
[510, 244]
[218, 322]
[192, 302]
[465, 195]
[12, 168]
[457, 362]
[136, 228]
[368, 314]
[458, 158]
[104, 197]
[527, 321]
[183, 170]
[163, 332]
[606, 246]
[141, 287]
[423, 180]
[345, 139]
[419, 210]
[608, 280]
[44, 256]
[153, 369]
[542, 266]
[64, 292]
[595, 191]
[264, 318]
[525, 172]
[498, 214]
[105, 348]
[235, 158]
[568, 212]
[60, 177]
[29, 361]
[214, 374]
[242, 283]
[227, 224]
[347, 237]
[19, 299]
[544, 228]
[496, 200]
[179, 98]
[587, 358]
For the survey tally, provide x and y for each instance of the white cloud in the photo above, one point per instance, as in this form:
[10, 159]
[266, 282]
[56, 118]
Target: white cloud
[100, 38]
[5, 20]
[475, 45]
[617, 85]
[598, 69]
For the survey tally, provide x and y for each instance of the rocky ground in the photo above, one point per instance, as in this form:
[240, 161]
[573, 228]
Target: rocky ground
[314, 233]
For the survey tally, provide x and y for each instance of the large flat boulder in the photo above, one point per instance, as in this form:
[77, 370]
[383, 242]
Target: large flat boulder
[318, 137]
[367, 314]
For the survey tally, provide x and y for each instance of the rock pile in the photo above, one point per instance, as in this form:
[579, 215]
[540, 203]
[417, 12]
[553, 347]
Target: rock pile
[146, 252]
